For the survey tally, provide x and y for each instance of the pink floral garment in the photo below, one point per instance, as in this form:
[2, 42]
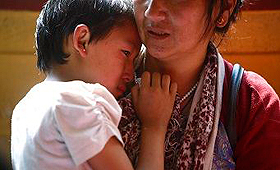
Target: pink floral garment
[187, 137]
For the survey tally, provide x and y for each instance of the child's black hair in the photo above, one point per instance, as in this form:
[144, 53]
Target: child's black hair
[59, 18]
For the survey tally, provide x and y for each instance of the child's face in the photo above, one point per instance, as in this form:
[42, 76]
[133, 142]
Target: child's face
[112, 58]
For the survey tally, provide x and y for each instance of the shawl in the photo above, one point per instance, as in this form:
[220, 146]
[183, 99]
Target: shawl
[189, 141]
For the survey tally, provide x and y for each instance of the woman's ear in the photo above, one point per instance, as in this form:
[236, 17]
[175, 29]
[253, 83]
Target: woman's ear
[81, 37]
[228, 7]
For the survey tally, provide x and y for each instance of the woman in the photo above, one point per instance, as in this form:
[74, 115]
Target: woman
[178, 37]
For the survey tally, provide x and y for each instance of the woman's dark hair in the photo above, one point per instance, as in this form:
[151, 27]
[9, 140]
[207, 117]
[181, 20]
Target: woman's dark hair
[59, 18]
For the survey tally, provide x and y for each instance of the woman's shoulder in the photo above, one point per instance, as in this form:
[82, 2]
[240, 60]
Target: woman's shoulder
[253, 86]
[256, 103]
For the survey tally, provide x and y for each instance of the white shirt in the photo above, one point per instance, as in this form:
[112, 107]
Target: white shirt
[60, 125]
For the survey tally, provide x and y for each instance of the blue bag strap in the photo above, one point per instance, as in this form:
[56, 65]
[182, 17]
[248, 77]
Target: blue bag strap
[236, 78]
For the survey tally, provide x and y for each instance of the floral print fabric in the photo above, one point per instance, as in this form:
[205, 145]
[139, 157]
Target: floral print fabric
[187, 137]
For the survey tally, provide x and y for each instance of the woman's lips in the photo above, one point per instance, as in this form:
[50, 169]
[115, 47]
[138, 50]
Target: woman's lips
[157, 34]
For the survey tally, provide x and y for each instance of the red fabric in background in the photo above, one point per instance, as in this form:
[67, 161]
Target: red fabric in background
[36, 5]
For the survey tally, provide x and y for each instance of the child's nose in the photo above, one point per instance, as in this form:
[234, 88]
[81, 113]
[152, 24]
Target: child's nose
[128, 71]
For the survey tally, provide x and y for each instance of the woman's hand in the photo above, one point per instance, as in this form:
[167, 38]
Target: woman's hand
[154, 100]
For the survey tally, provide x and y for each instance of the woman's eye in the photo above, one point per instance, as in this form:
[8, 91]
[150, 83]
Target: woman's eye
[126, 53]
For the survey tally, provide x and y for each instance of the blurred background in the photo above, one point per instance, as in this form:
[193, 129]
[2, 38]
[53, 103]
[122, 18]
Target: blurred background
[254, 42]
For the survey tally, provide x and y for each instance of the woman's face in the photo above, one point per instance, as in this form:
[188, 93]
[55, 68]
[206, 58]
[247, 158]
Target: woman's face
[112, 58]
[171, 27]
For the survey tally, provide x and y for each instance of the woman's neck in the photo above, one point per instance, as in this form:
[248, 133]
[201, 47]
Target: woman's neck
[184, 70]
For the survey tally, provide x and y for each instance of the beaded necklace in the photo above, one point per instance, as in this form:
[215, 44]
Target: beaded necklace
[188, 93]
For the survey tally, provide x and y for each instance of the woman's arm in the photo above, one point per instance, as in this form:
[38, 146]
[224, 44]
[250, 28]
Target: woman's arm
[258, 125]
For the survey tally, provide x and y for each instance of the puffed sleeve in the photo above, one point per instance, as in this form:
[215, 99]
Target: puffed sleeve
[87, 117]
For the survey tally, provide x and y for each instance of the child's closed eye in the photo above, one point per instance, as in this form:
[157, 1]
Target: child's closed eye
[126, 53]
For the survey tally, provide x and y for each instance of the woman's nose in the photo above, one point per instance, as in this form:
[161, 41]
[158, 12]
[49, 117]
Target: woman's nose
[155, 10]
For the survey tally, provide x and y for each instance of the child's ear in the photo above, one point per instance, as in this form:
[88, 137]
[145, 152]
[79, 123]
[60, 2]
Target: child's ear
[81, 37]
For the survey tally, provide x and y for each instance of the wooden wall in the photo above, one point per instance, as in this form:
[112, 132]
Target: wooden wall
[18, 71]
[254, 42]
